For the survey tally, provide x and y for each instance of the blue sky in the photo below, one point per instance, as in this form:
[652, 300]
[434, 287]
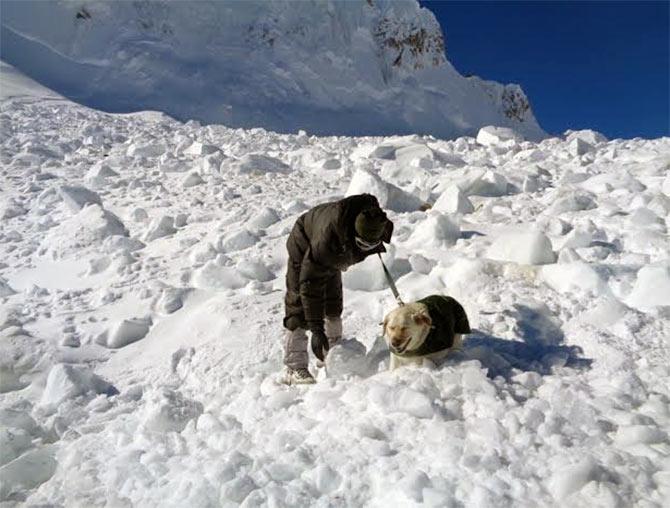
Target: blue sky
[583, 64]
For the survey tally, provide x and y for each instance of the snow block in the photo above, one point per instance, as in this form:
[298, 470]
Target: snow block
[526, 248]
[254, 270]
[570, 277]
[652, 287]
[191, 180]
[495, 136]
[587, 135]
[389, 196]
[571, 479]
[571, 201]
[126, 332]
[27, 471]
[437, 230]
[453, 200]
[578, 147]
[146, 150]
[259, 163]
[265, 218]
[237, 241]
[170, 411]
[487, 184]
[77, 197]
[160, 227]
[5, 289]
[198, 149]
[214, 276]
[66, 382]
[11, 208]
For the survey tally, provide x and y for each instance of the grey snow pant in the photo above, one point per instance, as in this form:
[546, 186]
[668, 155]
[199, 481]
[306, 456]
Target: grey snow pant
[295, 342]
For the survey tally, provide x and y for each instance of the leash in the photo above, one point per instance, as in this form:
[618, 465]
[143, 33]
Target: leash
[391, 284]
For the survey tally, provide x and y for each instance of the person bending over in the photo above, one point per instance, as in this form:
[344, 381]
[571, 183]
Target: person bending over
[324, 242]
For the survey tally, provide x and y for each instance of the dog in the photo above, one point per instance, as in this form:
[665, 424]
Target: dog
[427, 329]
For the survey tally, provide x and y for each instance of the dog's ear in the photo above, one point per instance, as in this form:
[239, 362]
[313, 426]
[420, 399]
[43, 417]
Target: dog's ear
[384, 323]
[422, 318]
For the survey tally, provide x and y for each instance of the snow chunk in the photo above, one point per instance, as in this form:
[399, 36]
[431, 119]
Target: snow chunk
[5, 289]
[191, 180]
[160, 227]
[639, 434]
[401, 400]
[98, 174]
[388, 195]
[571, 479]
[586, 135]
[527, 248]
[237, 241]
[571, 201]
[453, 200]
[652, 287]
[198, 149]
[492, 136]
[88, 227]
[264, 218]
[568, 277]
[170, 411]
[579, 147]
[259, 163]
[11, 208]
[437, 230]
[487, 184]
[13, 442]
[254, 270]
[214, 276]
[27, 472]
[77, 197]
[67, 382]
[146, 150]
[126, 332]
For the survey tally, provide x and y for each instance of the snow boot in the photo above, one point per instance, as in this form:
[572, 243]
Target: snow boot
[300, 376]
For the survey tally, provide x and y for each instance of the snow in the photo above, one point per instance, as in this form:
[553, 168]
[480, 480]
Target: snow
[528, 248]
[140, 324]
[498, 136]
[381, 68]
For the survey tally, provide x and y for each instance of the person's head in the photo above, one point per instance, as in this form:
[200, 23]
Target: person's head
[369, 228]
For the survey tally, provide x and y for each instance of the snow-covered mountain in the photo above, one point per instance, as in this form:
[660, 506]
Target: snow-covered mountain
[142, 263]
[328, 67]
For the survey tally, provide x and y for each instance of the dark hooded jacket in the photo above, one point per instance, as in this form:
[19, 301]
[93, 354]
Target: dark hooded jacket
[321, 246]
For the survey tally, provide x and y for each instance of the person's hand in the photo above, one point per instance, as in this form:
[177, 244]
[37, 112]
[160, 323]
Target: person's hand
[320, 344]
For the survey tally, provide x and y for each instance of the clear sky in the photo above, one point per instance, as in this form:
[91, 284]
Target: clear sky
[603, 65]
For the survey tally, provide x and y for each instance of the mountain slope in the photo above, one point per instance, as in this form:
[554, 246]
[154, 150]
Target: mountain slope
[142, 263]
[356, 67]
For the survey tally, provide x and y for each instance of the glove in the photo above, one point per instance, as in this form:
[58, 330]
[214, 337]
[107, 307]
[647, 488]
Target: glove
[320, 344]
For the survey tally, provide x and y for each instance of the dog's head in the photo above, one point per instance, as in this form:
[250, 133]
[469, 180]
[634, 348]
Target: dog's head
[406, 327]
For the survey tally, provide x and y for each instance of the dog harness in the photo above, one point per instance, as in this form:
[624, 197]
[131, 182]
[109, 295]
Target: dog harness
[448, 318]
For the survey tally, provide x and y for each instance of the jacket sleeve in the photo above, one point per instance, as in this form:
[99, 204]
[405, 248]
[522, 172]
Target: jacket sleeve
[314, 275]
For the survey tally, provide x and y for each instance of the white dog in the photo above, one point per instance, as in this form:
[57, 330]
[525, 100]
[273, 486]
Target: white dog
[425, 330]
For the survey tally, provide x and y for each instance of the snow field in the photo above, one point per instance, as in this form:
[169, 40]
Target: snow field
[141, 307]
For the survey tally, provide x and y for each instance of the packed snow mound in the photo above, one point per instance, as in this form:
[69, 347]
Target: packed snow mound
[90, 226]
[252, 64]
